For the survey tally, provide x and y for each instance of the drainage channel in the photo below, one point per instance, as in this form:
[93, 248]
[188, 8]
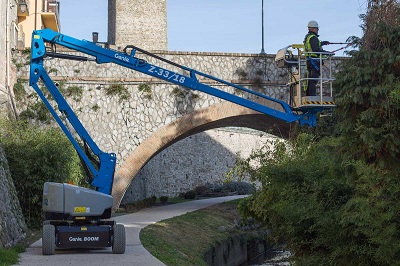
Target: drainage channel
[272, 257]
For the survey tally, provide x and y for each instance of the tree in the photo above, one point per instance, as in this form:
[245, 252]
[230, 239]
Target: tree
[368, 89]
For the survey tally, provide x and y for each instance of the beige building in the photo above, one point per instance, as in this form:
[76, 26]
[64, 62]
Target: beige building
[36, 15]
[8, 43]
[19, 19]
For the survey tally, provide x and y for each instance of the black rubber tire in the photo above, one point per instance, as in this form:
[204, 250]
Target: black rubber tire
[119, 239]
[48, 239]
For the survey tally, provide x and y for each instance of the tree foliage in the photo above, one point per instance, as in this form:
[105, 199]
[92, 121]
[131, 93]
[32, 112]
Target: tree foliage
[368, 89]
[36, 155]
[326, 209]
[302, 190]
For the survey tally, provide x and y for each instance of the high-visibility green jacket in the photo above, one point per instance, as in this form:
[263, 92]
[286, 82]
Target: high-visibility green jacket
[312, 44]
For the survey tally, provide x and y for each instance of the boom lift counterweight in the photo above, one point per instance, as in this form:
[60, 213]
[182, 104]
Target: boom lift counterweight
[76, 217]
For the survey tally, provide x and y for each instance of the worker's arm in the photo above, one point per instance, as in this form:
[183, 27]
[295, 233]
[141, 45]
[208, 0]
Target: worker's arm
[314, 42]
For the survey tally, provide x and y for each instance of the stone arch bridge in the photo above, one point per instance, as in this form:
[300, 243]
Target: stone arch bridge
[225, 114]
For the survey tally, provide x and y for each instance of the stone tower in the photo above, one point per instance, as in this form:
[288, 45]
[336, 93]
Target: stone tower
[142, 23]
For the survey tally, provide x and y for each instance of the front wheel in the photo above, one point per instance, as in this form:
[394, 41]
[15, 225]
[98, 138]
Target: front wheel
[48, 239]
[119, 238]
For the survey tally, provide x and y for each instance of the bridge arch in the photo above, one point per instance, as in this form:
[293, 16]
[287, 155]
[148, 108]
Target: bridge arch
[225, 114]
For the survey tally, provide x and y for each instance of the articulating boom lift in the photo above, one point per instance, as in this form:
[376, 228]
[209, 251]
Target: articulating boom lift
[76, 217]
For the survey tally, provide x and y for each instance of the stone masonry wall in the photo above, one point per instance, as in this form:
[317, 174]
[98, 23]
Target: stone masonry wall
[120, 125]
[12, 224]
[200, 159]
[141, 23]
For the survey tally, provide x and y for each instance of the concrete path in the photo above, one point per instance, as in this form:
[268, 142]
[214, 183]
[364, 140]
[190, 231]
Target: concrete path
[135, 253]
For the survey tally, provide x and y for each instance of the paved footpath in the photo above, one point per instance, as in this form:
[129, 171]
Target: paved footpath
[135, 253]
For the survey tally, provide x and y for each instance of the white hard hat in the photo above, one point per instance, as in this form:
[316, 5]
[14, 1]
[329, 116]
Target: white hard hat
[312, 24]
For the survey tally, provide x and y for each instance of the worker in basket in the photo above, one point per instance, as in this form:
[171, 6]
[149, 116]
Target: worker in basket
[313, 48]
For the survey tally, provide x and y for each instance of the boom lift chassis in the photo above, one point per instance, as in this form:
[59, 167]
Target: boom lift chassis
[77, 217]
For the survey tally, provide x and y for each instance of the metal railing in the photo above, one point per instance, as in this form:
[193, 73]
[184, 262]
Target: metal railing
[324, 78]
[294, 58]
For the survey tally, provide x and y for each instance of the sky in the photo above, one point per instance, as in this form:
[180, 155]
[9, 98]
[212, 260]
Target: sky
[232, 26]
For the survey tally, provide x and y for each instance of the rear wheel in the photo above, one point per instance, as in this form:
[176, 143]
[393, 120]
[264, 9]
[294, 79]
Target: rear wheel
[48, 239]
[118, 245]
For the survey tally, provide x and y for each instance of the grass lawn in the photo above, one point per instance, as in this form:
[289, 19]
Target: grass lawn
[185, 239]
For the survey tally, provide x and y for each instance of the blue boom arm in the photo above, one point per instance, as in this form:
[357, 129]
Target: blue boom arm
[103, 173]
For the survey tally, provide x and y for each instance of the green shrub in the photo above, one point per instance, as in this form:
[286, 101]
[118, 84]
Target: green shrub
[37, 111]
[178, 92]
[215, 188]
[75, 92]
[151, 201]
[140, 204]
[241, 73]
[239, 187]
[95, 107]
[191, 194]
[164, 199]
[132, 207]
[201, 190]
[144, 87]
[36, 155]
[303, 188]
[19, 90]
[147, 202]
[118, 90]
[328, 211]
[53, 70]
[26, 52]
